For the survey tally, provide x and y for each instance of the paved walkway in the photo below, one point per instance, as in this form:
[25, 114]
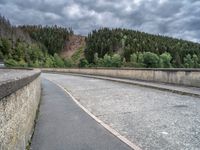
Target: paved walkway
[62, 125]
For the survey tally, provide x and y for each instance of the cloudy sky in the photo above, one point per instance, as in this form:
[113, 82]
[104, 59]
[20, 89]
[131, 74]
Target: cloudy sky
[177, 18]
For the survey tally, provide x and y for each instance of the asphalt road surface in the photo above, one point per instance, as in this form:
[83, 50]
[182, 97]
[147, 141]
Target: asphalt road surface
[150, 118]
[62, 125]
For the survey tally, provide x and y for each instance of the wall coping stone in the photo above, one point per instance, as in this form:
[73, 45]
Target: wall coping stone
[147, 69]
[13, 79]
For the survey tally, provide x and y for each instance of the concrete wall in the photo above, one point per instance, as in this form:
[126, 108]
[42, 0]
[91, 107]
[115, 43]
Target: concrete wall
[18, 107]
[188, 77]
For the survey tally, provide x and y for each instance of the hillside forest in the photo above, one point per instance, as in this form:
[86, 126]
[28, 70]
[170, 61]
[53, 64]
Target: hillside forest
[43, 46]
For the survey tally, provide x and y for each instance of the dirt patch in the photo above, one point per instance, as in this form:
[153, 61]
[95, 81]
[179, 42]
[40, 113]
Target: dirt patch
[73, 44]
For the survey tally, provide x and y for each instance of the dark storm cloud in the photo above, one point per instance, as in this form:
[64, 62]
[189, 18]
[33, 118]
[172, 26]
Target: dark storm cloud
[177, 18]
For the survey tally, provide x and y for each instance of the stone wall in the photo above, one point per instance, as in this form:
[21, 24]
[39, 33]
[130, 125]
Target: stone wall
[18, 109]
[188, 77]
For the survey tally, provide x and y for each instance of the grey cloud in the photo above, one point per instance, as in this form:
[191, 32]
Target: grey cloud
[177, 18]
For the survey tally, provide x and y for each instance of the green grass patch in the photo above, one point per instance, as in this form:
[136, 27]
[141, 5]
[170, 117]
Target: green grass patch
[79, 53]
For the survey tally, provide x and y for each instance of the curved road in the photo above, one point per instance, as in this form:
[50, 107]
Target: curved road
[150, 118]
[62, 125]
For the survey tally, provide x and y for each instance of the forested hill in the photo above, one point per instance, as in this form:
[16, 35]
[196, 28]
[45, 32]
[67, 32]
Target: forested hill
[128, 42]
[32, 46]
[53, 37]
[41, 46]
[13, 33]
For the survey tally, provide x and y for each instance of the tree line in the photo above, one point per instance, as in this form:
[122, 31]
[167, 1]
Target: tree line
[143, 60]
[32, 46]
[127, 43]
[52, 37]
[39, 46]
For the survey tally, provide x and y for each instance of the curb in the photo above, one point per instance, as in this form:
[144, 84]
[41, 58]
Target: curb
[106, 126]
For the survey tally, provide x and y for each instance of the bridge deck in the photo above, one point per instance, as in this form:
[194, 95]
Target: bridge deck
[62, 125]
[150, 118]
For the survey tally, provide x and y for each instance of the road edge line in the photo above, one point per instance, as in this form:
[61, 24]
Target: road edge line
[106, 126]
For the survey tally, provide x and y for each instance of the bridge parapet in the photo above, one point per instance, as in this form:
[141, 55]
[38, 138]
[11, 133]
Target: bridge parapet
[19, 98]
[179, 76]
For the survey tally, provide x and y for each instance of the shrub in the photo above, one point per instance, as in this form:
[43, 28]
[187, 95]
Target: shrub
[49, 61]
[11, 62]
[151, 60]
[188, 61]
[22, 63]
[136, 60]
[165, 60]
[133, 58]
[58, 62]
[5, 46]
[196, 61]
[100, 62]
[140, 58]
[107, 61]
[116, 60]
[68, 62]
[83, 63]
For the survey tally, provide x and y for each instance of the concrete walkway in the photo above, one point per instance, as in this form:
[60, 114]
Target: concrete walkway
[62, 125]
